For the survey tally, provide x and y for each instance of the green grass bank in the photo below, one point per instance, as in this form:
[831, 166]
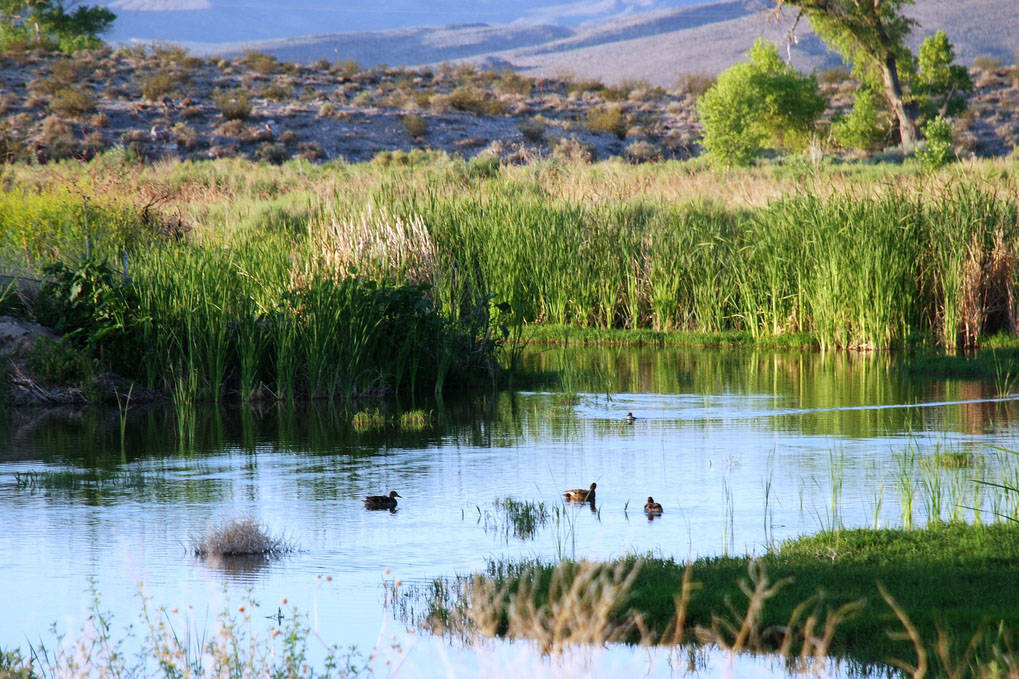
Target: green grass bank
[943, 597]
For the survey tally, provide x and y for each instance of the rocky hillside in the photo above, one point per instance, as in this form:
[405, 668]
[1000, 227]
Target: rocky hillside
[162, 102]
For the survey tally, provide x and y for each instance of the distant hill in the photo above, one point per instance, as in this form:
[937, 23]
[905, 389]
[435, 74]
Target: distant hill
[656, 45]
[224, 21]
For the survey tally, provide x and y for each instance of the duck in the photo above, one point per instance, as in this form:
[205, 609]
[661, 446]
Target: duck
[652, 507]
[382, 501]
[630, 418]
[579, 494]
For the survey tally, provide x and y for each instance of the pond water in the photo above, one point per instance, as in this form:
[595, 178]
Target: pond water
[742, 449]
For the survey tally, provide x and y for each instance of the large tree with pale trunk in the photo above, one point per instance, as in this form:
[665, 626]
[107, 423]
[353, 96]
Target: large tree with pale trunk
[870, 34]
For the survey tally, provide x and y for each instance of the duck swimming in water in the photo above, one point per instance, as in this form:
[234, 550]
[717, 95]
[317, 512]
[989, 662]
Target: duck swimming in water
[652, 507]
[382, 501]
[579, 494]
[630, 418]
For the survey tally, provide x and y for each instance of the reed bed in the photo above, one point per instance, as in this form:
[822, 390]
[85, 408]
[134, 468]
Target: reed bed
[340, 281]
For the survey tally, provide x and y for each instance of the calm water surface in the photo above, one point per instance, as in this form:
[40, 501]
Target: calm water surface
[742, 449]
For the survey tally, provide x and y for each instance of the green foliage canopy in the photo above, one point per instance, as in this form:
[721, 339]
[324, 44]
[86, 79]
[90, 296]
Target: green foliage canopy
[938, 83]
[872, 36]
[52, 24]
[755, 103]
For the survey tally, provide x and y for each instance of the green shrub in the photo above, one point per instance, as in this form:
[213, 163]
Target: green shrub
[938, 150]
[233, 104]
[607, 119]
[272, 153]
[758, 103]
[277, 91]
[694, 84]
[91, 307]
[533, 130]
[867, 126]
[58, 362]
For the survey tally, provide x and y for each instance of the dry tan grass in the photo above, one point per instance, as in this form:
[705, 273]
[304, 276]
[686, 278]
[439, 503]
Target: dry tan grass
[378, 244]
[239, 536]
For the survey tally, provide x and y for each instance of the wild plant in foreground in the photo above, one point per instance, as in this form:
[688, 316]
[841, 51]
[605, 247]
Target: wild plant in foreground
[173, 644]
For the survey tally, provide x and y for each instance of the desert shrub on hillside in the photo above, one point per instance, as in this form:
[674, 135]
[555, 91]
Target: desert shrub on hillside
[72, 102]
[277, 91]
[467, 99]
[158, 85]
[987, 63]
[514, 83]
[262, 63]
[694, 84]
[416, 126]
[233, 104]
[607, 119]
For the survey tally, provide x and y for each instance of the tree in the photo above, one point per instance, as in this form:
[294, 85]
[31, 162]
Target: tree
[65, 25]
[757, 102]
[938, 84]
[871, 35]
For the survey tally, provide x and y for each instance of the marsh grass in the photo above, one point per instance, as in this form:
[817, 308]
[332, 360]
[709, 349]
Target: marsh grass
[347, 281]
[521, 519]
[239, 536]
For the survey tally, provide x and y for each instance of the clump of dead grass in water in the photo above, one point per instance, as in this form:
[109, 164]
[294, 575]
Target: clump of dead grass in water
[239, 536]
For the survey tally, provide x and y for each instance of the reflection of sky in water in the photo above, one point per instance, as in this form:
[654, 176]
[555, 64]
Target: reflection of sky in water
[735, 465]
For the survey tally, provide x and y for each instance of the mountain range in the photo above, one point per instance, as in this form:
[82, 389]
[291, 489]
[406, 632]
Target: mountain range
[611, 40]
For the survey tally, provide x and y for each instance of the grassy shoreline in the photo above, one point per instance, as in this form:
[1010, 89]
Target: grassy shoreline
[851, 594]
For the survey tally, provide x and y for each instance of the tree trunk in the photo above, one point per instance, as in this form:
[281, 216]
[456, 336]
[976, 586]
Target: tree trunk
[905, 114]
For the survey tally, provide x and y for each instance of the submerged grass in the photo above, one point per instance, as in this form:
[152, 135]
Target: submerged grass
[80, 479]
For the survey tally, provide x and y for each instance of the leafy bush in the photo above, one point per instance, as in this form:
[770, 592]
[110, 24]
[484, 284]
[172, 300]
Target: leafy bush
[467, 99]
[533, 129]
[233, 104]
[757, 103]
[867, 126]
[938, 151]
[57, 362]
[91, 307]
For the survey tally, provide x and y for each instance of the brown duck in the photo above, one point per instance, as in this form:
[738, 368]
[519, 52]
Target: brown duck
[580, 494]
[382, 501]
[652, 507]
